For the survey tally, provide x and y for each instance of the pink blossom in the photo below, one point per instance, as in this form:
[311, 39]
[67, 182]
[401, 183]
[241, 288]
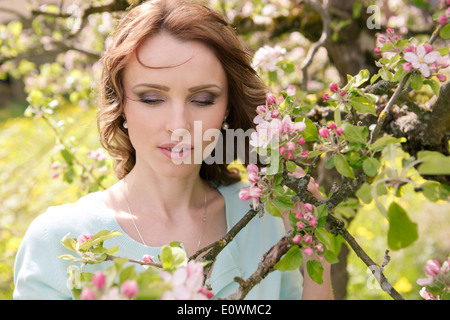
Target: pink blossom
[83, 238]
[275, 113]
[261, 109]
[343, 93]
[301, 141]
[313, 222]
[299, 126]
[300, 225]
[426, 295]
[291, 89]
[291, 146]
[308, 206]
[147, 258]
[307, 238]
[428, 47]
[422, 60]
[432, 267]
[309, 251]
[390, 31]
[99, 280]
[377, 50]
[297, 239]
[407, 66]
[299, 215]
[425, 281]
[441, 77]
[252, 177]
[334, 87]
[324, 133]
[442, 20]
[207, 293]
[244, 194]
[332, 125]
[129, 288]
[282, 150]
[252, 168]
[87, 294]
[326, 97]
[271, 99]
[290, 155]
[339, 131]
[305, 154]
[265, 133]
[410, 48]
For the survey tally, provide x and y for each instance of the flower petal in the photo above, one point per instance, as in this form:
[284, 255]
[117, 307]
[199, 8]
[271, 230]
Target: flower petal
[432, 57]
[410, 57]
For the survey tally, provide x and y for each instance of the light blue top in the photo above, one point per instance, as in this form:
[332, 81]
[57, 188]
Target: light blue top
[40, 274]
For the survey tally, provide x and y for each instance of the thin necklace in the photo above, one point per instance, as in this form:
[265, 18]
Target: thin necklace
[137, 229]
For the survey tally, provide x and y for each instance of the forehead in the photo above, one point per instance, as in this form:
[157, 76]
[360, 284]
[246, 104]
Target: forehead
[163, 57]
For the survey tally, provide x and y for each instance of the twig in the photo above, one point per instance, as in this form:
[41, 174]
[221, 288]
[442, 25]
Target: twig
[326, 31]
[142, 263]
[266, 266]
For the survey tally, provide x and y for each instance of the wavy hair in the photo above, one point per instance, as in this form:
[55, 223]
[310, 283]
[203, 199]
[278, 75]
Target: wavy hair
[188, 21]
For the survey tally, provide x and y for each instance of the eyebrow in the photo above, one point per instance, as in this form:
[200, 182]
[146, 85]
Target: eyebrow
[164, 88]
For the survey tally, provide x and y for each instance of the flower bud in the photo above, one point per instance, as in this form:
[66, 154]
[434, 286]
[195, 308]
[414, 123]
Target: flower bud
[326, 97]
[129, 288]
[432, 267]
[334, 87]
[301, 141]
[305, 154]
[343, 93]
[275, 113]
[428, 47]
[300, 225]
[307, 238]
[442, 19]
[309, 251]
[324, 133]
[410, 48]
[87, 294]
[271, 99]
[407, 66]
[297, 239]
[291, 146]
[99, 280]
[332, 125]
[308, 206]
[339, 131]
[252, 168]
[290, 155]
[377, 50]
[282, 150]
[441, 77]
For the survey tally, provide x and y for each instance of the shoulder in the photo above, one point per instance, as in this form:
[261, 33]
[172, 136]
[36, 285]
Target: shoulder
[82, 217]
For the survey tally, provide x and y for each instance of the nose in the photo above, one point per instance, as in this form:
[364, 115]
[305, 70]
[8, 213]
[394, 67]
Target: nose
[178, 118]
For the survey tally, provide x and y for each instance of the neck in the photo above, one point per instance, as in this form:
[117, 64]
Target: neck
[166, 196]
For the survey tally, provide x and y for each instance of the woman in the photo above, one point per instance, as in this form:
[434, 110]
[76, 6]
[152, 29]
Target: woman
[172, 69]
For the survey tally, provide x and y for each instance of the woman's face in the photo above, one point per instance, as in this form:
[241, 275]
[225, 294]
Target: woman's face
[170, 105]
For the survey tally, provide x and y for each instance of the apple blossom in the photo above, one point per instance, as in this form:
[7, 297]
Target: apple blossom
[301, 141]
[442, 20]
[87, 294]
[291, 146]
[300, 225]
[83, 238]
[290, 155]
[324, 133]
[309, 251]
[281, 150]
[432, 267]
[426, 295]
[297, 239]
[326, 97]
[308, 206]
[334, 87]
[332, 125]
[271, 99]
[99, 280]
[305, 154]
[343, 93]
[129, 288]
[252, 177]
[307, 238]
[441, 77]
[339, 131]
[421, 59]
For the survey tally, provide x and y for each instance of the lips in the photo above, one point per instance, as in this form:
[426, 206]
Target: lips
[176, 151]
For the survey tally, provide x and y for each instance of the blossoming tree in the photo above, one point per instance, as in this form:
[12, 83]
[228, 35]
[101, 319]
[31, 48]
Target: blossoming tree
[351, 128]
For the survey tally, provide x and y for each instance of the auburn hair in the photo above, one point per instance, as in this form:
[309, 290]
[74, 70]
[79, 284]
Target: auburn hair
[186, 20]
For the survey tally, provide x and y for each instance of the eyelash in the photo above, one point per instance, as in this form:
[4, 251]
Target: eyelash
[202, 103]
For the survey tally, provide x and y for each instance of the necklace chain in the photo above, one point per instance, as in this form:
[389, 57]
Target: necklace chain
[137, 229]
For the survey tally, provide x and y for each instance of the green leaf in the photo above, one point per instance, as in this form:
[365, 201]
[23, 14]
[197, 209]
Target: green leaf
[291, 166]
[69, 243]
[355, 133]
[343, 167]
[370, 166]
[433, 163]
[380, 143]
[104, 235]
[402, 231]
[445, 32]
[271, 209]
[284, 203]
[310, 133]
[315, 271]
[172, 257]
[292, 260]
[362, 105]
[417, 82]
[364, 193]
[434, 191]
